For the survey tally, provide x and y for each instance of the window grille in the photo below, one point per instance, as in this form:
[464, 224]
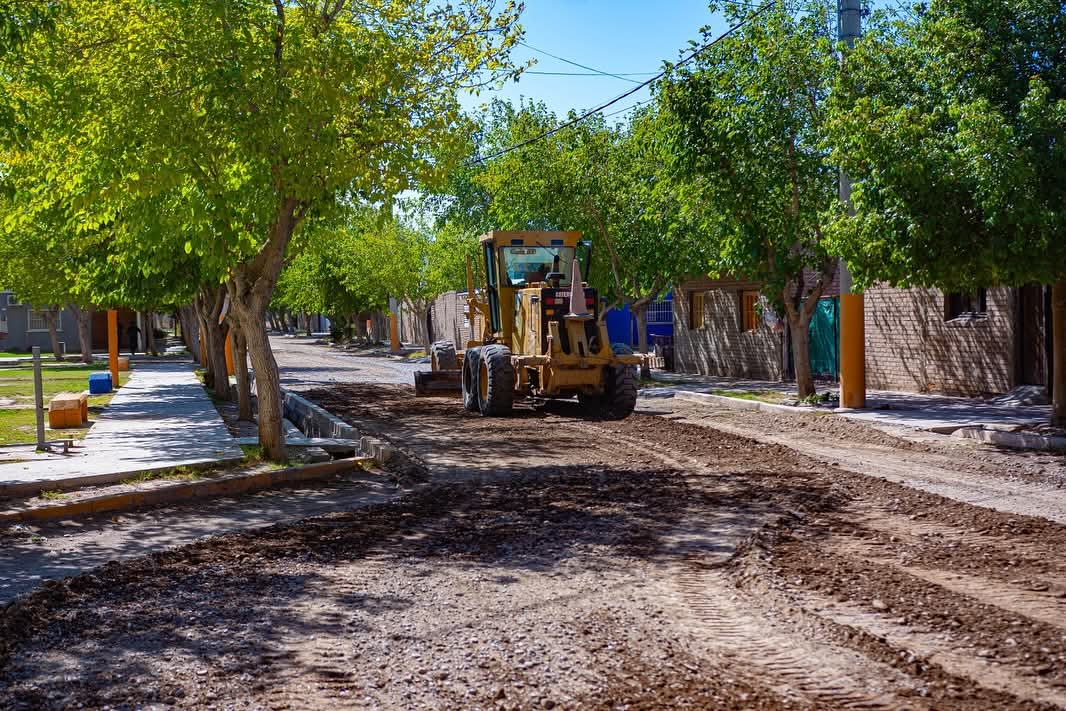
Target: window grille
[661, 312]
[37, 321]
[958, 304]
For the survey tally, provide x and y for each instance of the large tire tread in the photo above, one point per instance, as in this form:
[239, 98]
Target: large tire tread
[471, 368]
[620, 392]
[443, 356]
[500, 398]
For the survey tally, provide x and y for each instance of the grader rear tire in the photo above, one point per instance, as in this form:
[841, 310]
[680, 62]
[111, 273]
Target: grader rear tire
[442, 355]
[495, 381]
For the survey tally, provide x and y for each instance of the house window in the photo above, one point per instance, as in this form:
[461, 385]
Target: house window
[749, 316]
[696, 311]
[957, 305]
[37, 321]
[3, 322]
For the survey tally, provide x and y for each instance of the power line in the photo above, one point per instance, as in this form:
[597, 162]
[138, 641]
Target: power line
[587, 74]
[631, 106]
[576, 64]
[615, 100]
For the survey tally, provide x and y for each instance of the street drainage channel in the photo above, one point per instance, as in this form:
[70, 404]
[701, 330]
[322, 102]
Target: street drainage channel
[319, 429]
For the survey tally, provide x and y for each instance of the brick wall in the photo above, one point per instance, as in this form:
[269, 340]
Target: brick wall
[910, 346]
[449, 321]
[719, 347]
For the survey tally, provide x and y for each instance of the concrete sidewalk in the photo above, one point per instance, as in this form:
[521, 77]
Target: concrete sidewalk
[933, 413]
[161, 418]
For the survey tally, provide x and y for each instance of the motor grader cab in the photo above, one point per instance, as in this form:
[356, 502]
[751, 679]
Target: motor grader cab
[540, 336]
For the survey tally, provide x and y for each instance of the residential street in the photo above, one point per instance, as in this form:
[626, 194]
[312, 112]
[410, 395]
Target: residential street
[739, 331]
[553, 561]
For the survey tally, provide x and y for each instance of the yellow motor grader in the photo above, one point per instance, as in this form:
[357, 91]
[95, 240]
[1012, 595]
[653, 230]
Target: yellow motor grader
[541, 336]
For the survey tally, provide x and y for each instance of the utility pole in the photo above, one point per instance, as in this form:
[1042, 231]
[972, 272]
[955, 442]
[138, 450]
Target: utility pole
[852, 308]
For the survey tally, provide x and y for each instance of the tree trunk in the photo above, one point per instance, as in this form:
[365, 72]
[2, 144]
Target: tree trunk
[639, 309]
[215, 341]
[210, 305]
[240, 368]
[267, 380]
[201, 330]
[147, 319]
[1058, 331]
[251, 288]
[799, 328]
[84, 318]
[190, 331]
[51, 317]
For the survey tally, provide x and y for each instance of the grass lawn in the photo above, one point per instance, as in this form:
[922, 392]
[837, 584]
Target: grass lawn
[9, 354]
[768, 396]
[18, 421]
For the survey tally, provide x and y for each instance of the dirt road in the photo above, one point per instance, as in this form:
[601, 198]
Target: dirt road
[556, 562]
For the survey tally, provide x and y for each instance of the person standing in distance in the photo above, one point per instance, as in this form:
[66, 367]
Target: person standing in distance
[132, 332]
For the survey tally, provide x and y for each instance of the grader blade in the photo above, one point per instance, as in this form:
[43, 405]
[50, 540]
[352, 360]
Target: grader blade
[438, 382]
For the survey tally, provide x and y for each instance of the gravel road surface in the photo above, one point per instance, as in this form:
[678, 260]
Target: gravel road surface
[553, 561]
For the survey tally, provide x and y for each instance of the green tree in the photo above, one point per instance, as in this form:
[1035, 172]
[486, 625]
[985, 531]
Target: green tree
[606, 181]
[748, 117]
[249, 118]
[952, 125]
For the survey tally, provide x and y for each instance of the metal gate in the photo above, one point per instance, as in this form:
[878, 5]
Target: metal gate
[824, 337]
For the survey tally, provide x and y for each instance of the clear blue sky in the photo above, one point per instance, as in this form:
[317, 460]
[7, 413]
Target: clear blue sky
[617, 36]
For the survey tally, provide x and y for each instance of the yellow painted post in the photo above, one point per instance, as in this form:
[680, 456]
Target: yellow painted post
[112, 345]
[229, 354]
[394, 332]
[852, 351]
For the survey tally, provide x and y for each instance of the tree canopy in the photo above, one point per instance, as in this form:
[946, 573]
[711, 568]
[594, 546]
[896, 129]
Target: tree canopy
[952, 126]
[748, 123]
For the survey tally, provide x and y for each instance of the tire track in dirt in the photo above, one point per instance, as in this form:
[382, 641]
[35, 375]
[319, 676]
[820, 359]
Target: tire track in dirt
[1047, 608]
[732, 625]
[1027, 692]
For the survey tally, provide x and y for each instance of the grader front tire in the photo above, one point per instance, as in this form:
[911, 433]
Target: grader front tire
[620, 391]
[471, 364]
[495, 386]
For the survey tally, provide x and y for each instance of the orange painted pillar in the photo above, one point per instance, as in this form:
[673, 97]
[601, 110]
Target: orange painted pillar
[394, 332]
[852, 351]
[230, 370]
[112, 345]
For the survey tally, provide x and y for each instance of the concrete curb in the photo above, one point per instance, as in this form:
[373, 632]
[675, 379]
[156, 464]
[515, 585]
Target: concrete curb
[314, 421]
[25, 488]
[225, 486]
[740, 404]
[1014, 440]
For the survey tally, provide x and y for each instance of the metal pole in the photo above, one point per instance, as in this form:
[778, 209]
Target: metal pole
[112, 346]
[852, 307]
[38, 396]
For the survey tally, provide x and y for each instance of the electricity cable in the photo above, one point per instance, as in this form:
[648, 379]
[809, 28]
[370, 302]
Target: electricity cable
[587, 74]
[615, 100]
[581, 66]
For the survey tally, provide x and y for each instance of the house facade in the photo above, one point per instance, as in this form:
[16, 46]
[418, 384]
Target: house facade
[22, 327]
[920, 340]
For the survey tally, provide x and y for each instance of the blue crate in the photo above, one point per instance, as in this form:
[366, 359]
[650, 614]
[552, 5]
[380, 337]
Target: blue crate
[99, 383]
